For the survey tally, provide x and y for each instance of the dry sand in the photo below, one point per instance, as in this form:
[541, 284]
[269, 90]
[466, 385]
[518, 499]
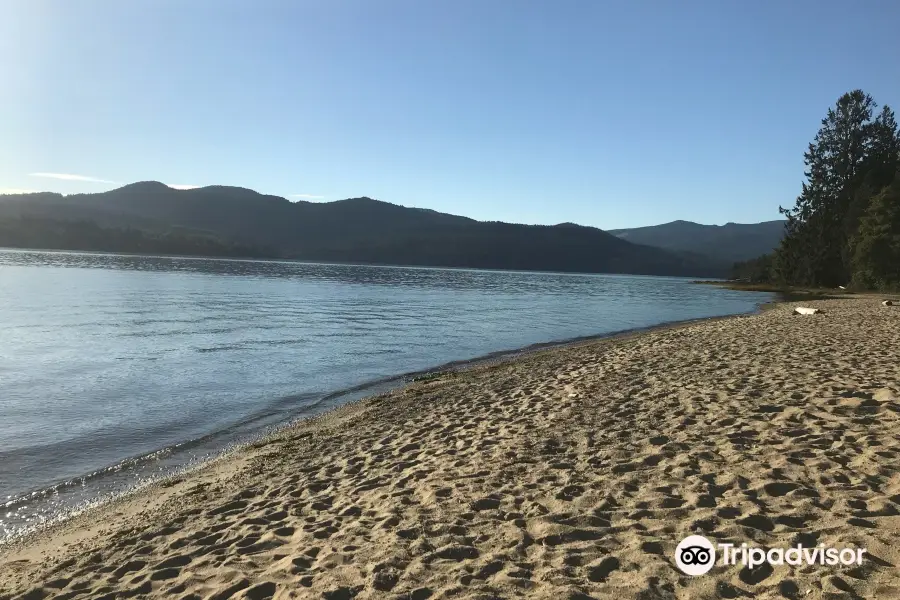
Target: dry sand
[570, 473]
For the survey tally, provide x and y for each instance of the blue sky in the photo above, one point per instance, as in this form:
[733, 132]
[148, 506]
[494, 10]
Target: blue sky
[611, 114]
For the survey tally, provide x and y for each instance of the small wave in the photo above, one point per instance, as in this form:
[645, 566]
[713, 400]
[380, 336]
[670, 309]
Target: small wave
[212, 444]
[224, 348]
[292, 342]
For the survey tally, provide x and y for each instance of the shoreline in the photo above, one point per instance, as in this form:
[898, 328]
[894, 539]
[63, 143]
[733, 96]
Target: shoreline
[583, 449]
[396, 383]
[793, 293]
[327, 403]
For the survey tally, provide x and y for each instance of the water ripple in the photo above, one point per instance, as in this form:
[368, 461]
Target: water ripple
[106, 359]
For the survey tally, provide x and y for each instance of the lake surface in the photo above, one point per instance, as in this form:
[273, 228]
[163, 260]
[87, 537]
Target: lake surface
[114, 369]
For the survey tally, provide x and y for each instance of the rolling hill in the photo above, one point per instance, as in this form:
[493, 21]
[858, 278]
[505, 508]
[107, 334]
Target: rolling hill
[359, 230]
[732, 242]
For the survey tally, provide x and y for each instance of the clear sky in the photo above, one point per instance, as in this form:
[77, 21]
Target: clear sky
[601, 112]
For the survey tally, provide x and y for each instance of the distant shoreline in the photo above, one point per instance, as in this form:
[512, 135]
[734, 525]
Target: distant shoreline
[345, 264]
[793, 293]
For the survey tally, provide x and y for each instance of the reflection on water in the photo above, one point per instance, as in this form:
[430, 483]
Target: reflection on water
[108, 357]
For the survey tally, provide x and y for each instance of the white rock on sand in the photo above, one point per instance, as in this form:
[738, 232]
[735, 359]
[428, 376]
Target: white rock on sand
[567, 474]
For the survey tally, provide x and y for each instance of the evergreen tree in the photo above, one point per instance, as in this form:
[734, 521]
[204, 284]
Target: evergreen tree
[884, 149]
[876, 255]
[851, 157]
[881, 165]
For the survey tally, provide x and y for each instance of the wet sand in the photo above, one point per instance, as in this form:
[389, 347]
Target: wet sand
[565, 474]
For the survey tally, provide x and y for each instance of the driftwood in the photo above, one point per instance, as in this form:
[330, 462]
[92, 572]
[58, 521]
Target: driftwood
[887, 303]
[802, 310]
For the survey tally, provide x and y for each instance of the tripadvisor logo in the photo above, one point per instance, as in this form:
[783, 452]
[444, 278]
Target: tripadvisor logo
[696, 555]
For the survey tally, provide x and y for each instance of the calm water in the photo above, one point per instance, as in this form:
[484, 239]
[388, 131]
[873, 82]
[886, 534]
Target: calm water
[115, 368]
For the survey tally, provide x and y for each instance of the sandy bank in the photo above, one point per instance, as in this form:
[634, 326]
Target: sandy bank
[571, 473]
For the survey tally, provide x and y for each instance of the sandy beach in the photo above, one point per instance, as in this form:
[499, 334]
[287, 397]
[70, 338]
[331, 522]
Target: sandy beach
[566, 474]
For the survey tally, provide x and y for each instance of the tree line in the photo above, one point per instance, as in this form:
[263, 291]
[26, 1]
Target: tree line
[844, 229]
[54, 234]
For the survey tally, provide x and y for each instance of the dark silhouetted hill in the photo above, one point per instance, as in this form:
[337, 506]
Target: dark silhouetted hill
[359, 230]
[733, 242]
[59, 234]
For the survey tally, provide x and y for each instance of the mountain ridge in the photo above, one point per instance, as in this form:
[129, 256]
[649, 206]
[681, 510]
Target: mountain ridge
[732, 242]
[359, 229]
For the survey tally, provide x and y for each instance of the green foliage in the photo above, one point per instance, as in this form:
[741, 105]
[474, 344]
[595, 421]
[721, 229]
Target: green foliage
[851, 160]
[757, 270]
[876, 245]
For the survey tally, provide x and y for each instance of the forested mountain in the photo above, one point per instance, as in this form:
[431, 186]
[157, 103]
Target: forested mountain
[354, 230]
[46, 233]
[732, 242]
[845, 226]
